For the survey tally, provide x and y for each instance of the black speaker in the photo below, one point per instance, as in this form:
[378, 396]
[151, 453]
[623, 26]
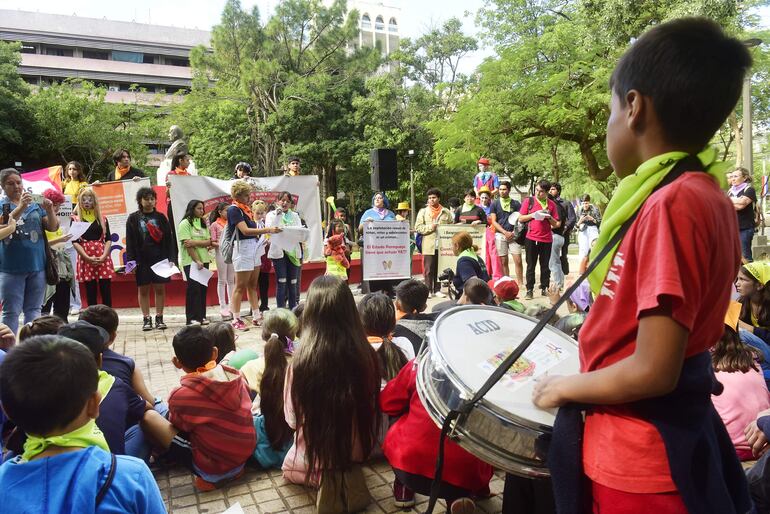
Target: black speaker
[384, 170]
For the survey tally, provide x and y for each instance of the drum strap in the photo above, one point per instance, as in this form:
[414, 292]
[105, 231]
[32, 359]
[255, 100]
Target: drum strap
[689, 163]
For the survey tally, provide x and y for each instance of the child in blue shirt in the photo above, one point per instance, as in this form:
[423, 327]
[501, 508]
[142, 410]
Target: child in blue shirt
[48, 388]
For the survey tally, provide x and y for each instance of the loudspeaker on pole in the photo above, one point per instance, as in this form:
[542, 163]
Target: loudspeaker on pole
[384, 169]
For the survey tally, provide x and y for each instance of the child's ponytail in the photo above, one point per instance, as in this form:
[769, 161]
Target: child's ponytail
[271, 392]
[731, 355]
[392, 359]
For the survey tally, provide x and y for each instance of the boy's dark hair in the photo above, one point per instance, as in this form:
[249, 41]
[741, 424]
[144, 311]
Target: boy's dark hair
[454, 202]
[177, 159]
[557, 186]
[506, 183]
[544, 185]
[42, 326]
[378, 314]
[585, 198]
[692, 71]
[470, 192]
[144, 192]
[193, 346]
[101, 316]
[119, 154]
[478, 292]
[412, 295]
[434, 191]
[223, 336]
[46, 382]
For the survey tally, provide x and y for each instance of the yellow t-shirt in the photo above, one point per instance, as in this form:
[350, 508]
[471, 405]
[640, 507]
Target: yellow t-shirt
[72, 188]
[53, 235]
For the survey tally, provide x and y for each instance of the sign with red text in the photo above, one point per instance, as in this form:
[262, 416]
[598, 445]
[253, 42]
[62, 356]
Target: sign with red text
[386, 250]
[446, 255]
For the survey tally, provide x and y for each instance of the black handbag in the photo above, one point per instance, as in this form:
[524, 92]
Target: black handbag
[520, 229]
[51, 271]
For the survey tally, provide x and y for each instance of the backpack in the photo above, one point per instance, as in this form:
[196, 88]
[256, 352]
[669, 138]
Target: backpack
[562, 211]
[226, 244]
[520, 230]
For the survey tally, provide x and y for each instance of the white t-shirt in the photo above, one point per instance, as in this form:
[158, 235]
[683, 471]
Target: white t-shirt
[402, 343]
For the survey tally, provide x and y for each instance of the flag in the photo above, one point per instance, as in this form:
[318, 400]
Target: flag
[39, 180]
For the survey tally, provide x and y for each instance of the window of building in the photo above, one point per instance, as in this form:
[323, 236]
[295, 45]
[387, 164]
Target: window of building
[127, 56]
[149, 59]
[379, 23]
[366, 22]
[27, 48]
[95, 54]
[58, 51]
[177, 61]
[392, 25]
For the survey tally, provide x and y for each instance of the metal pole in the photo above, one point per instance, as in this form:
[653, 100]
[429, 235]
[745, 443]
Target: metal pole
[748, 156]
[411, 188]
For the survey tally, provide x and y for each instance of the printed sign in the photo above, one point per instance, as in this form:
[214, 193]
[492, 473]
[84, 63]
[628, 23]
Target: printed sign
[386, 250]
[446, 256]
[116, 201]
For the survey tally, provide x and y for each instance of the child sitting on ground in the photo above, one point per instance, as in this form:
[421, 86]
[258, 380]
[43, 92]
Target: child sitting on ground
[114, 363]
[213, 431]
[66, 466]
[411, 320]
[224, 336]
[745, 393]
[378, 316]
[120, 407]
[506, 290]
[284, 324]
[42, 326]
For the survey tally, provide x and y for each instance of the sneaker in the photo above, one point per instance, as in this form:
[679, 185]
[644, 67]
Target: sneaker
[74, 311]
[439, 294]
[226, 315]
[238, 324]
[204, 486]
[462, 506]
[403, 497]
[193, 322]
[147, 325]
[529, 295]
[159, 322]
[205, 321]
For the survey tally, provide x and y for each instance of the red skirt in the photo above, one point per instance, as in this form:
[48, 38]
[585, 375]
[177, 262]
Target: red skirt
[88, 272]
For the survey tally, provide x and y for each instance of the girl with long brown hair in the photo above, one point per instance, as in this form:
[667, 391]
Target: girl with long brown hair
[332, 389]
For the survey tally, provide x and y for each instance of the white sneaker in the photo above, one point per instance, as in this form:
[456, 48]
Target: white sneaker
[439, 294]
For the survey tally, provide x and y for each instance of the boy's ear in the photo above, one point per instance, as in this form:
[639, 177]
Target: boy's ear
[422, 309]
[637, 106]
[92, 405]
[214, 353]
[113, 336]
[176, 362]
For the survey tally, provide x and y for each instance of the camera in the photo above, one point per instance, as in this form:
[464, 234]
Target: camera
[446, 277]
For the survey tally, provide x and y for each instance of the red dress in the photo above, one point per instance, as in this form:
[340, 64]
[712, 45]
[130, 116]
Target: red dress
[93, 242]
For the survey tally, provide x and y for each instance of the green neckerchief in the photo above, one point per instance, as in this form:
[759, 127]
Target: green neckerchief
[83, 437]
[468, 252]
[468, 206]
[505, 203]
[286, 219]
[632, 191]
[196, 223]
[543, 203]
[515, 305]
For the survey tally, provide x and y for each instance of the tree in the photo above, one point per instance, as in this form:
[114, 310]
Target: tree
[16, 121]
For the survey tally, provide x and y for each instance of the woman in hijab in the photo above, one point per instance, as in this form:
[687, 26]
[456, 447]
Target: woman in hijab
[379, 212]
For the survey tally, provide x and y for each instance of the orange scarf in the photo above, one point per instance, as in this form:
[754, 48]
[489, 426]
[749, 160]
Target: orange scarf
[179, 171]
[435, 212]
[245, 208]
[119, 172]
[222, 222]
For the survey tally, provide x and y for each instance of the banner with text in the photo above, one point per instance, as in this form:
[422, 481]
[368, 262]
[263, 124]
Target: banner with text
[304, 191]
[446, 255]
[386, 250]
[117, 200]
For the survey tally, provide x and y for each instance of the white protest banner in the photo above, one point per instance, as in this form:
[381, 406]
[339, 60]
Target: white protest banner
[304, 190]
[446, 255]
[116, 201]
[386, 250]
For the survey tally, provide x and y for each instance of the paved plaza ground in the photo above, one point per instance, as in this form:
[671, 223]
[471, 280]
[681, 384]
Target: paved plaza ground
[256, 491]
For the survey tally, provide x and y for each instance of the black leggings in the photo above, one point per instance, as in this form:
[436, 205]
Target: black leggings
[60, 301]
[537, 251]
[264, 286]
[105, 289]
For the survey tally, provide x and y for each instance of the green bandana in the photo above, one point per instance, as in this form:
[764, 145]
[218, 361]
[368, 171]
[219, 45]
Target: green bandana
[632, 191]
[543, 203]
[468, 206]
[505, 203]
[468, 252]
[515, 305]
[83, 437]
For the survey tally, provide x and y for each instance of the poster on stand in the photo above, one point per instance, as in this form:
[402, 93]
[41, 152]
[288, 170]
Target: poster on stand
[386, 253]
[446, 255]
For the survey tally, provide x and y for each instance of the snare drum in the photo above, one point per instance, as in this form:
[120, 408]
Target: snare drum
[505, 429]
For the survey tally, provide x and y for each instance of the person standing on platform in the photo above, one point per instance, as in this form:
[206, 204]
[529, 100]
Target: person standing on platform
[286, 262]
[542, 215]
[485, 177]
[225, 271]
[242, 171]
[379, 211]
[74, 181]
[469, 213]
[490, 250]
[293, 167]
[194, 243]
[502, 208]
[569, 224]
[95, 268]
[744, 200]
[427, 222]
[123, 169]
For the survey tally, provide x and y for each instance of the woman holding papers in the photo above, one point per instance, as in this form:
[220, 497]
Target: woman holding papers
[285, 254]
[95, 268]
[148, 242]
[248, 249]
[194, 242]
[379, 212]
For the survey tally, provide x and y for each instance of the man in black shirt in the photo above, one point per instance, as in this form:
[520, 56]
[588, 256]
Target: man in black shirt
[744, 199]
[123, 169]
[565, 230]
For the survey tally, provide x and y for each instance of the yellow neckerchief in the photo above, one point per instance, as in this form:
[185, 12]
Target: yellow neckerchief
[83, 437]
[89, 216]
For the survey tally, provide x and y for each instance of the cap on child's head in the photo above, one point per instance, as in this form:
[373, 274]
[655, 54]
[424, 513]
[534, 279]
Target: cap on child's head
[93, 337]
[505, 288]
[733, 315]
[193, 347]
[45, 383]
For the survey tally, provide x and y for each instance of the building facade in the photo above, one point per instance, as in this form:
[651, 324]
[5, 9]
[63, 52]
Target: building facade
[378, 25]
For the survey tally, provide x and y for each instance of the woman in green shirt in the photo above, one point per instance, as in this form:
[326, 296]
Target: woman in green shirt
[194, 241]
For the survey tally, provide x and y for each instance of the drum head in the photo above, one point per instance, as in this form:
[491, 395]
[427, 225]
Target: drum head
[473, 340]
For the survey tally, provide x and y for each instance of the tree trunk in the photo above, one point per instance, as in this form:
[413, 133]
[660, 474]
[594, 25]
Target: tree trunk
[555, 161]
[736, 130]
[595, 171]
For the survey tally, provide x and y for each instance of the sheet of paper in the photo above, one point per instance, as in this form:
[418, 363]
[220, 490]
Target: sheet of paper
[164, 269]
[261, 248]
[289, 238]
[202, 276]
[77, 229]
[234, 509]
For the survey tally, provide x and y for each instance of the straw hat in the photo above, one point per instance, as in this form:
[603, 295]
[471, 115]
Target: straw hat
[403, 206]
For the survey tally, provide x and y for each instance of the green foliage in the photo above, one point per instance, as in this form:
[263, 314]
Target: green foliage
[16, 122]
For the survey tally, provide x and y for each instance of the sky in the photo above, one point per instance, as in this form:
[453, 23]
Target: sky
[417, 17]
